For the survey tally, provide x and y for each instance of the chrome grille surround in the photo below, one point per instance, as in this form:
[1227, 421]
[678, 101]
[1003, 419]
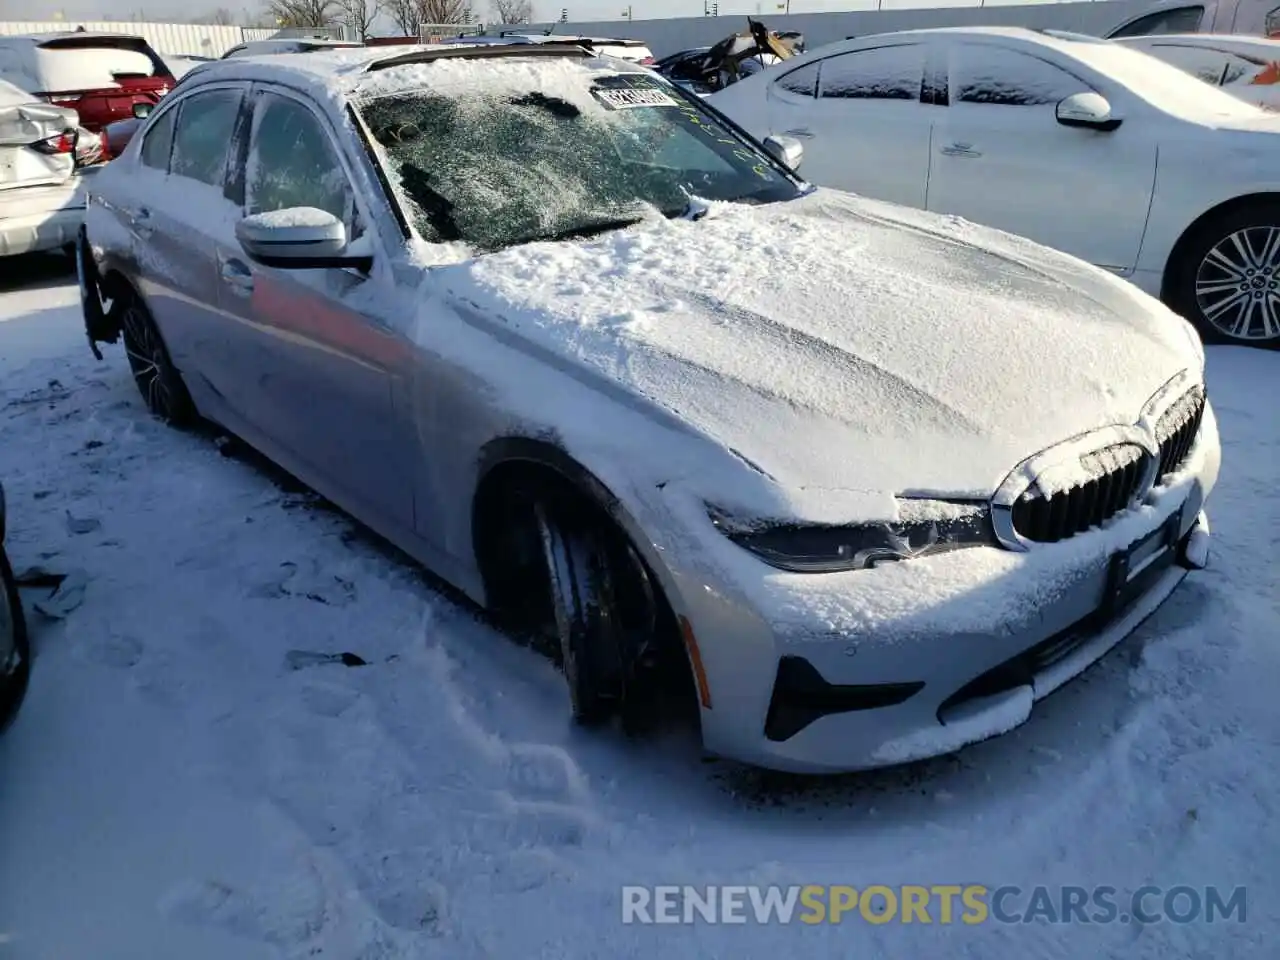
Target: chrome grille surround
[1129, 458]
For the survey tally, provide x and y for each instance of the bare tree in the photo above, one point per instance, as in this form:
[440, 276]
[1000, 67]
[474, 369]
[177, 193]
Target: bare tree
[444, 11]
[304, 13]
[513, 11]
[406, 15]
[358, 15]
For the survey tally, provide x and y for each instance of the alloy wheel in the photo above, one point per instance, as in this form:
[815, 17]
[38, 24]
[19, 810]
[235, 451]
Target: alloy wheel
[1237, 285]
[147, 359]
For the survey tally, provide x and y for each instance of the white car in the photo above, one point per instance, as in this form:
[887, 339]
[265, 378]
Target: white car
[1245, 67]
[1078, 143]
[41, 206]
[868, 481]
[1247, 17]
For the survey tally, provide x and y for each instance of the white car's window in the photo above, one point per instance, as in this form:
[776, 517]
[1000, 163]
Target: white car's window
[501, 157]
[1177, 20]
[882, 73]
[1271, 23]
[203, 134]
[803, 81]
[293, 163]
[158, 143]
[988, 74]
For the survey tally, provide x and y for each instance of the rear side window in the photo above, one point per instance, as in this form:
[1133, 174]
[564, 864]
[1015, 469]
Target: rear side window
[1271, 24]
[881, 73]
[1177, 20]
[802, 82]
[203, 135]
[95, 63]
[993, 75]
[158, 143]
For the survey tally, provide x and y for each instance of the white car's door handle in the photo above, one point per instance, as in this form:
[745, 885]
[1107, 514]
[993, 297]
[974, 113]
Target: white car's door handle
[141, 219]
[238, 277]
[960, 150]
[802, 133]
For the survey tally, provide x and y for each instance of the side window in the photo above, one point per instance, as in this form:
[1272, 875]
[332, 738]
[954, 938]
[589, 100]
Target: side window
[1178, 20]
[994, 75]
[159, 141]
[881, 73]
[202, 135]
[293, 163]
[1271, 23]
[802, 81]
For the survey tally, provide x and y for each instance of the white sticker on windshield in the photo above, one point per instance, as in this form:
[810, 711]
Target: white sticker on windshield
[622, 99]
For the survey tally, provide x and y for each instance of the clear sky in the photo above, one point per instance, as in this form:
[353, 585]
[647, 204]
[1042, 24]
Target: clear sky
[161, 10]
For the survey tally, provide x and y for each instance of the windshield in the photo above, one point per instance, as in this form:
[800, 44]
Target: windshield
[521, 152]
[1162, 85]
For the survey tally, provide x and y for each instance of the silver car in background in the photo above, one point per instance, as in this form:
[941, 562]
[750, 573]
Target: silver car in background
[858, 483]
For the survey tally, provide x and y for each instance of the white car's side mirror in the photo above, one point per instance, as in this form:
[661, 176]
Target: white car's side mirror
[788, 151]
[298, 238]
[1091, 110]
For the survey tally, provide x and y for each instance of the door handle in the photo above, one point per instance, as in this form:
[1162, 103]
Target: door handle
[237, 276]
[802, 132]
[141, 218]
[960, 150]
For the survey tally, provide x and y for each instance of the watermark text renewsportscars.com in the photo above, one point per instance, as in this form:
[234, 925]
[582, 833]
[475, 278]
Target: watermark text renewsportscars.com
[963, 904]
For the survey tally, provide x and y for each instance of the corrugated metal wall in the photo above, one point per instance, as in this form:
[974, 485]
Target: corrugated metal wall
[201, 40]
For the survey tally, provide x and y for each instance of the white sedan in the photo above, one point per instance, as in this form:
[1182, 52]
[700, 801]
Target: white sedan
[1081, 144]
[1245, 67]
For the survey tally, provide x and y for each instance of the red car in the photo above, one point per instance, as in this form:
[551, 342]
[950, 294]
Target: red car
[99, 75]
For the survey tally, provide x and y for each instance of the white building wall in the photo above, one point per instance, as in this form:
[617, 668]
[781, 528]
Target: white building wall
[175, 39]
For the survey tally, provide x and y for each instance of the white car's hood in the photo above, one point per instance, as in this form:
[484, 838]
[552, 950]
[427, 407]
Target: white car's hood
[840, 343]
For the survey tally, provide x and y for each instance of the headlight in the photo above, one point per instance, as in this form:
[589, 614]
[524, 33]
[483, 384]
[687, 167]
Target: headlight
[813, 548]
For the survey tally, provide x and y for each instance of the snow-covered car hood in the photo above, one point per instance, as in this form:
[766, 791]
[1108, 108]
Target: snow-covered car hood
[841, 343]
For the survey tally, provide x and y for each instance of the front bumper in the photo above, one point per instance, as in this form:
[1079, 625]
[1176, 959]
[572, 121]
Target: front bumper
[932, 655]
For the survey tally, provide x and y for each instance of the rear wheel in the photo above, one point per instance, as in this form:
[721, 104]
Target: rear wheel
[1227, 278]
[15, 649]
[157, 378]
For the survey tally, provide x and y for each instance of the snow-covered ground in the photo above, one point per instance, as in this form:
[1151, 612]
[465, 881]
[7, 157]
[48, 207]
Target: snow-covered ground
[181, 784]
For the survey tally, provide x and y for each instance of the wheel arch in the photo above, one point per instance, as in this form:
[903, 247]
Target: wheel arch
[505, 458]
[1192, 230]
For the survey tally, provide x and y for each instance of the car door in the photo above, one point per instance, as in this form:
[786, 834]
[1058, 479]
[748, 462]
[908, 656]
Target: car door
[177, 207]
[1001, 158]
[861, 119]
[324, 369]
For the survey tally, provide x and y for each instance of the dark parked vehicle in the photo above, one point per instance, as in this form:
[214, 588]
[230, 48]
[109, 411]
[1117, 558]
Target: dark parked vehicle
[15, 650]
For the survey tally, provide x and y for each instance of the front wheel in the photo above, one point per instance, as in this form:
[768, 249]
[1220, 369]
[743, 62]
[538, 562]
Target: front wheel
[1227, 278]
[15, 648]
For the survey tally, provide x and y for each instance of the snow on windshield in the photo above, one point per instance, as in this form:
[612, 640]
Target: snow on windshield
[496, 154]
[1162, 85]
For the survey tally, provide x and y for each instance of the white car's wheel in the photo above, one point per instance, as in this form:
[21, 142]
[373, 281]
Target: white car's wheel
[1228, 281]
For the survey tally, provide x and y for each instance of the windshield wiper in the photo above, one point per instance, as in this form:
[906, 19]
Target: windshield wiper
[585, 230]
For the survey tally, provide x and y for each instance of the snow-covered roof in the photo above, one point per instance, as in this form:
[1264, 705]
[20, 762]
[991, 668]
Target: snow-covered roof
[335, 73]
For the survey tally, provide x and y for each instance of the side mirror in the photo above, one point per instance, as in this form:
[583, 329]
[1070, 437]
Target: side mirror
[143, 110]
[298, 238]
[1091, 110]
[788, 151]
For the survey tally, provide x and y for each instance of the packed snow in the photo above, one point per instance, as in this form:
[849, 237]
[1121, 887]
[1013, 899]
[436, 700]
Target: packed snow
[199, 773]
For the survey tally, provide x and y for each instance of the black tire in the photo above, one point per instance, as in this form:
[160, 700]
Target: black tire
[157, 378]
[581, 587]
[15, 666]
[1226, 279]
